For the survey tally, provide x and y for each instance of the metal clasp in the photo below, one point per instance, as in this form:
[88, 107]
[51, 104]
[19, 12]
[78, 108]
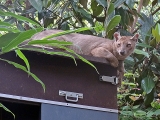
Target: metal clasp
[71, 96]
[113, 79]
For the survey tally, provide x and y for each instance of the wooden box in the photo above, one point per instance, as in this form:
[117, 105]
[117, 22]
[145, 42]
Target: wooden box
[72, 92]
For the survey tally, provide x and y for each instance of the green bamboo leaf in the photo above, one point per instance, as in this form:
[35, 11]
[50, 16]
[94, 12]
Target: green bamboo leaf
[137, 51]
[5, 24]
[9, 29]
[24, 69]
[20, 38]
[147, 84]
[7, 38]
[18, 17]
[23, 57]
[6, 109]
[37, 4]
[42, 42]
[67, 32]
[113, 22]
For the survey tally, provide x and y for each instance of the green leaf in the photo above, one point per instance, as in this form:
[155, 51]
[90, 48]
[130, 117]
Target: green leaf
[86, 15]
[111, 8]
[5, 24]
[24, 69]
[42, 42]
[154, 32]
[157, 33]
[102, 2]
[148, 98]
[137, 51]
[153, 43]
[37, 4]
[113, 22]
[127, 113]
[18, 17]
[136, 106]
[6, 109]
[118, 3]
[140, 114]
[147, 84]
[143, 45]
[65, 26]
[9, 29]
[23, 57]
[126, 108]
[20, 38]
[7, 38]
[97, 10]
[155, 56]
[150, 114]
[157, 112]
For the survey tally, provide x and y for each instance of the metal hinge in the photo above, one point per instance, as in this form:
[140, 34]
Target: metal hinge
[71, 96]
[113, 79]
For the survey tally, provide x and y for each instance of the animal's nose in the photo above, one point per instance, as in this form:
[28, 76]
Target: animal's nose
[122, 52]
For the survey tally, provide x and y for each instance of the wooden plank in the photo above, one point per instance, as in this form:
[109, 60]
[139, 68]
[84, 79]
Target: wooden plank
[59, 73]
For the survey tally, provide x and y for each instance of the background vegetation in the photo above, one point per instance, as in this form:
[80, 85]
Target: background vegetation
[138, 97]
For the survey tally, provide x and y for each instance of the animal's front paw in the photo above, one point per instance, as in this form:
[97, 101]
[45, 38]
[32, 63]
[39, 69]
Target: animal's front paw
[114, 63]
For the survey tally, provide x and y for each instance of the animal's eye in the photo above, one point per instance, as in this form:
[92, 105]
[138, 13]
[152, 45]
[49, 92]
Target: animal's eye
[118, 44]
[128, 45]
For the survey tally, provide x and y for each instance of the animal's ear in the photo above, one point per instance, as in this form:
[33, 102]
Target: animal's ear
[135, 37]
[117, 36]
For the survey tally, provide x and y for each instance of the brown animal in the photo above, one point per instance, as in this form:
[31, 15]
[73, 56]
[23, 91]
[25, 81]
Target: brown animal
[115, 51]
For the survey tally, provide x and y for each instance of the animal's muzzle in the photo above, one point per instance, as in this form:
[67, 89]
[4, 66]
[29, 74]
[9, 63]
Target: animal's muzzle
[122, 52]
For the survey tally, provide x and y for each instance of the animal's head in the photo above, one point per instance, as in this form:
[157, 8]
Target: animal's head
[124, 45]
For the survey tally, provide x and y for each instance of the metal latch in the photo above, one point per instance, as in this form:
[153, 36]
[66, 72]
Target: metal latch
[113, 79]
[71, 96]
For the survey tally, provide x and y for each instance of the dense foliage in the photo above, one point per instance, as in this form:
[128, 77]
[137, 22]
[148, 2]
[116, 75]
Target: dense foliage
[138, 97]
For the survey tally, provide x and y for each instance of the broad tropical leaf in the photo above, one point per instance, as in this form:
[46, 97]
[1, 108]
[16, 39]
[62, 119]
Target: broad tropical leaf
[138, 51]
[113, 23]
[37, 4]
[147, 84]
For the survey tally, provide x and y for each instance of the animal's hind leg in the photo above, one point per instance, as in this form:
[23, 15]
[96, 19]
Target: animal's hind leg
[102, 52]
